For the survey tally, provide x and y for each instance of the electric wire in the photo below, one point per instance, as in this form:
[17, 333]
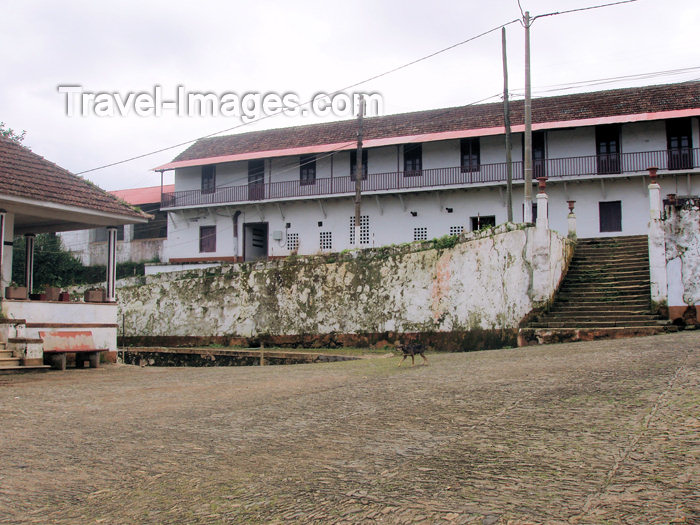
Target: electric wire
[300, 105]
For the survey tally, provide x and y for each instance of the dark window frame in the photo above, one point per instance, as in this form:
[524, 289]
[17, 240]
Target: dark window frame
[307, 170]
[539, 154]
[470, 154]
[482, 221]
[256, 179]
[413, 160]
[679, 143]
[207, 239]
[610, 216]
[607, 148]
[353, 164]
[208, 179]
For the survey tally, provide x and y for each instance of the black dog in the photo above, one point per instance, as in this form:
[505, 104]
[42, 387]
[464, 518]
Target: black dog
[412, 349]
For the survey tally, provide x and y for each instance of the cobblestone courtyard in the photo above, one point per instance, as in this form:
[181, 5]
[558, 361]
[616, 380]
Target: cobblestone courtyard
[603, 432]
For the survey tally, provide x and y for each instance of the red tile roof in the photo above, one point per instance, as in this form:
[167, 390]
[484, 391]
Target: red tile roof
[25, 174]
[577, 107]
[137, 196]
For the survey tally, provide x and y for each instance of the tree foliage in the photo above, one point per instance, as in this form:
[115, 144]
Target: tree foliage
[11, 134]
[54, 266]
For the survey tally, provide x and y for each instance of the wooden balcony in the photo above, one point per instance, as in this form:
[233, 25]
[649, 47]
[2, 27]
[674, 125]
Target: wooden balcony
[564, 168]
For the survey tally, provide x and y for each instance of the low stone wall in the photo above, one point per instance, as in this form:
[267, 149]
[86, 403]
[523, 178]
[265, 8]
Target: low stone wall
[461, 295]
[682, 245]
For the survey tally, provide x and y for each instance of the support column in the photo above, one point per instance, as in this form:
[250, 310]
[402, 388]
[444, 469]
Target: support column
[2, 249]
[542, 205]
[571, 220]
[657, 246]
[29, 261]
[111, 264]
[541, 263]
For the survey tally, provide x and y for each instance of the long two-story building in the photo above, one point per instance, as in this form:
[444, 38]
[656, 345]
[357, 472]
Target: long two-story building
[431, 173]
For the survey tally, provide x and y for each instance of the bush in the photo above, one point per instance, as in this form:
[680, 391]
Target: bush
[54, 266]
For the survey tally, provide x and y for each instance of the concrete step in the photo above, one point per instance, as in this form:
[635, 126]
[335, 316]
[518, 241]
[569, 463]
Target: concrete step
[613, 240]
[605, 305]
[572, 323]
[538, 336]
[597, 316]
[596, 309]
[608, 263]
[572, 297]
[615, 273]
[6, 362]
[609, 285]
[24, 369]
[6, 353]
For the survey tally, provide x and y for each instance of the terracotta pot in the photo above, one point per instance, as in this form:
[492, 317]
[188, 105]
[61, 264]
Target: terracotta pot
[16, 292]
[52, 293]
[94, 296]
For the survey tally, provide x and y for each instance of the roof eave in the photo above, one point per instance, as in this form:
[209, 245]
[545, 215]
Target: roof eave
[429, 137]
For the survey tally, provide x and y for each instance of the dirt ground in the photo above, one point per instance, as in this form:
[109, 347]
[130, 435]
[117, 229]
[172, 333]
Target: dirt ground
[603, 432]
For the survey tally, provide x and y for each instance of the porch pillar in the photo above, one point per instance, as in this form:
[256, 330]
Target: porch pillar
[2, 246]
[657, 246]
[29, 261]
[111, 264]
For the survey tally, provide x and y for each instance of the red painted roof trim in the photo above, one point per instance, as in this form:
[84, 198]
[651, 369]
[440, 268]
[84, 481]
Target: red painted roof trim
[429, 137]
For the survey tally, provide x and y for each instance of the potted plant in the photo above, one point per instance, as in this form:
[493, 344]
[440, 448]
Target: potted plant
[52, 293]
[64, 297]
[14, 291]
[95, 295]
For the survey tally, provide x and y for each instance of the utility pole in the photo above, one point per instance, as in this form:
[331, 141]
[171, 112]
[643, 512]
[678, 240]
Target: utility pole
[359, 171]
[527, 161]
[506, 121]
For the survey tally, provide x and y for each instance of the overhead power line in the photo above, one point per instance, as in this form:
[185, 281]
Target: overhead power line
[610, 80]
[578, 9]
[356, 84]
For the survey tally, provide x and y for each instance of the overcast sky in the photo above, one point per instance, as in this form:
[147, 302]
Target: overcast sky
[303, 47]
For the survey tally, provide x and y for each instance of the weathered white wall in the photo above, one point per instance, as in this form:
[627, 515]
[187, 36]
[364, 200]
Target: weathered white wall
[644, 136]
[92, 253]
[484, 283]
[576, 142]
[682, 236]
[99, 318]
[391, 220]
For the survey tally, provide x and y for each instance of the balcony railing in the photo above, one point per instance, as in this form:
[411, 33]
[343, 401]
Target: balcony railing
[592, 165]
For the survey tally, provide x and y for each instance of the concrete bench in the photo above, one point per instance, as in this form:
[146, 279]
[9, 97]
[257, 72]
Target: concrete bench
[80, 343]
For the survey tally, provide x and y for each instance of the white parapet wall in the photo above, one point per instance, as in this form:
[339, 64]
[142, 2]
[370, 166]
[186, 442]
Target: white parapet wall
[42, 316]
[481, 283]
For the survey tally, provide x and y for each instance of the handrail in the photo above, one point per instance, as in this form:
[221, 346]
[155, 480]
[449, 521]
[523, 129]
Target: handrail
[583, 166]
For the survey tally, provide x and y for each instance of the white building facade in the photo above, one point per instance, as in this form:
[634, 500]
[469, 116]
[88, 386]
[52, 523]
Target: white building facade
[428, 174]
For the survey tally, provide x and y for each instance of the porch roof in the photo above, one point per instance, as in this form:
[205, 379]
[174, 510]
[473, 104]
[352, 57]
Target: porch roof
[47, 198]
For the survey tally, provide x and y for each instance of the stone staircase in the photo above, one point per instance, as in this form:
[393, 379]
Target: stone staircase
[14, 347]
[604, 295]
[7, 358]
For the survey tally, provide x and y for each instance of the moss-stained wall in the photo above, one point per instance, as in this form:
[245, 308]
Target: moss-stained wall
[682, 244]
[483, 283]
